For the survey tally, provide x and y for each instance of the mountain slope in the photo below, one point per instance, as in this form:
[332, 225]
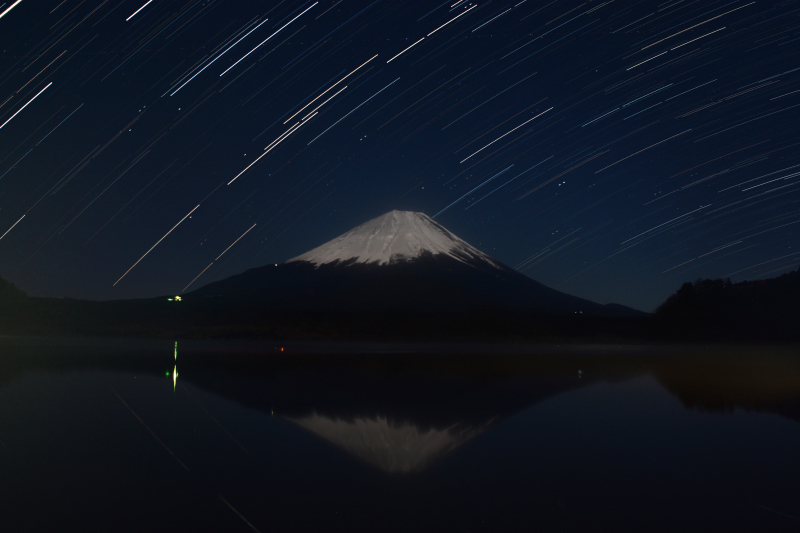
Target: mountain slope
[399, 262]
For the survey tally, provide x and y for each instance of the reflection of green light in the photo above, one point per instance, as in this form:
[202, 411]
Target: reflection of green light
[174, 378]
[176, 350]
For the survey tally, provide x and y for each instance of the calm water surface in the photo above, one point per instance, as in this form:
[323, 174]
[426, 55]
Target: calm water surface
[103, 436]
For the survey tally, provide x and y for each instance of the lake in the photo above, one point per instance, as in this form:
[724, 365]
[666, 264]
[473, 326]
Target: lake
[148, 436]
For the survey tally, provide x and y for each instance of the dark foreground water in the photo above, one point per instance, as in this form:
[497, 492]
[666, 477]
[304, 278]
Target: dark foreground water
[102, 436]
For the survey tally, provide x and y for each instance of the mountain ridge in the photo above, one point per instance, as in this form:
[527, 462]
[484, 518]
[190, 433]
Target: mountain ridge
[400, 261]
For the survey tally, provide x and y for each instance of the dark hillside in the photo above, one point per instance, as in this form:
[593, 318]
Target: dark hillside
[13, 301]
[762, 310]
[10, 294]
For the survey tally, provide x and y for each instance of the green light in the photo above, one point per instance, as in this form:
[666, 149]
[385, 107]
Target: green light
[167, 374]
[169, 299]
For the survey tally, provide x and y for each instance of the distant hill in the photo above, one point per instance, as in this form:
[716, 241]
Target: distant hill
[10, 294]
[13, 302]
[760, 310]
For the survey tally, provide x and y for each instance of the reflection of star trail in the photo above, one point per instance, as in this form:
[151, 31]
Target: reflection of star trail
[114, 114]
[161, 442]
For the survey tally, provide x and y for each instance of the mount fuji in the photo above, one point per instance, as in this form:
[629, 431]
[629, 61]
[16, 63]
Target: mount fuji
[401, 262]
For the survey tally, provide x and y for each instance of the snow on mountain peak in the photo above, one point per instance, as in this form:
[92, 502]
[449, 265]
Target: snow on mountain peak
[395, 236]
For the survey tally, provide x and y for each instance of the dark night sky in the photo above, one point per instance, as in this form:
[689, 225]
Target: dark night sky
[611, 150]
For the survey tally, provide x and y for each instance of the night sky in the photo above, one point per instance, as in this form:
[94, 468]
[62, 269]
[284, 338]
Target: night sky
[611, 150]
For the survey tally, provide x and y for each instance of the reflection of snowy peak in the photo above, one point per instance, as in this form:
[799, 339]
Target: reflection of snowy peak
[391, 238]
[392, 447]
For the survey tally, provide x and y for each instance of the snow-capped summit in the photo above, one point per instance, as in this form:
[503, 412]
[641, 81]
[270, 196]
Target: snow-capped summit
[394, 237]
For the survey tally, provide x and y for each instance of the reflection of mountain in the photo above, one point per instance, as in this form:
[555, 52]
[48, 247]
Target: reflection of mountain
[393, 447]
[759, 379]
[401, 413]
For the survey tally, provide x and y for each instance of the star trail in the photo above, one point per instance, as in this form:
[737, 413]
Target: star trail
[611, 150]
